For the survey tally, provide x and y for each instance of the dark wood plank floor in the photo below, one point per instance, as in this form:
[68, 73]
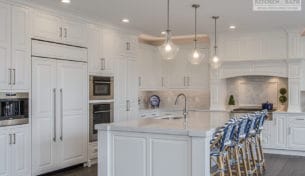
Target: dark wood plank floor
[277, 165]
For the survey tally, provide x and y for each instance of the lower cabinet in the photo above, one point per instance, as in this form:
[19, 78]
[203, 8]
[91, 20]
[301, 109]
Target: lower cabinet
[285, 132]
[15, 149]
[296, 131]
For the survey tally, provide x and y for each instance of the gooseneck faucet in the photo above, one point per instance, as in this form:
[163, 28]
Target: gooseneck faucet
[184, 110]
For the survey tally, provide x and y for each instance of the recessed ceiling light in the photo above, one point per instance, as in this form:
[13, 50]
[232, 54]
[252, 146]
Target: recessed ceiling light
[232, 27]
[125, 20]
[66, 1]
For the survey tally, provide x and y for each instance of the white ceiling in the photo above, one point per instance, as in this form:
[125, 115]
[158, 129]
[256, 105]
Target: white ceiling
[149, 16]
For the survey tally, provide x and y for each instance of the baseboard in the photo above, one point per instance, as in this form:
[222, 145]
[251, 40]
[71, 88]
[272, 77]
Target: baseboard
[284, 152]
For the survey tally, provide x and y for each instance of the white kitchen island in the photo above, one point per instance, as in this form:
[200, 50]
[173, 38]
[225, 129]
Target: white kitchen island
[158, 147]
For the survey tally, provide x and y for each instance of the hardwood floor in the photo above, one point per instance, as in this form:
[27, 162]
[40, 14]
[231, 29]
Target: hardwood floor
[277, 165]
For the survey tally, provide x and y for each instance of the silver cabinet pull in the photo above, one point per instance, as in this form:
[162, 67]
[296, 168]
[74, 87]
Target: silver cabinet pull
[54, 111]
[14, 135]
[300, 119]
[61, 115]
[66, 32]
[128, 46]
[140, 81]
[14, 71]
[10, 75]
[162, 81]
[10, 135]
[60, 32]
[103, 63]
[188, 81]
[127, 105]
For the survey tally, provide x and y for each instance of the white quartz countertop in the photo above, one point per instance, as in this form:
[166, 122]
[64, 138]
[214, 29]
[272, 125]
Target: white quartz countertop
[198, 124]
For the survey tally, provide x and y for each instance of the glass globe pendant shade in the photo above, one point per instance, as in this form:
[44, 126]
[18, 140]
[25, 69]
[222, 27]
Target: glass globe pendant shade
[215, 59]
[196, 57]
[168, 50]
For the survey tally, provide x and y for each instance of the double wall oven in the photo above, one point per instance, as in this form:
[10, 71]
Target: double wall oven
[101, 103]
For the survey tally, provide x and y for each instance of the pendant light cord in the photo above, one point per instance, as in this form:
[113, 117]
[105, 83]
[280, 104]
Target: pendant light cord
[196, 27]
[215, 33]
[168, 24]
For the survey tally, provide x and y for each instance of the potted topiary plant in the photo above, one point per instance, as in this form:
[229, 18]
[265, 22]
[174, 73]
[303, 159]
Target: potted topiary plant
[283, 98]
[231, 102]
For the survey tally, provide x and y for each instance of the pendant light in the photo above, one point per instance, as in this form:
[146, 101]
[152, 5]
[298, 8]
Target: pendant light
[168, 50]
[215, 58]
[196, 56]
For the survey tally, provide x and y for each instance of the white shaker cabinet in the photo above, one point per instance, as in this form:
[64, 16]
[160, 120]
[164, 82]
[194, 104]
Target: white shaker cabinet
[296, 131]
[15, 151]
[279, 133]
[59, 97]
[150, 68]
[56, 29]
[14, 49]
[5, 46]
[100, 61]
[126, 89]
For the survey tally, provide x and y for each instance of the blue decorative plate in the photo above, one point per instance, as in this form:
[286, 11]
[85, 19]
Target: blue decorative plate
[154, 101]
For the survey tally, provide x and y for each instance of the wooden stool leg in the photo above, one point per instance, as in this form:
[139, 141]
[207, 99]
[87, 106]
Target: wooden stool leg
[229, 164]
[247, 152]
[237, 161]
[262, 153]
[221, 166]
[253, 162]
[258, 156]
[243, 154]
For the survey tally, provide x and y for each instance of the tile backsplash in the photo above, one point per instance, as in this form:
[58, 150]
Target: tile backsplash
[196, 99]
[255, 90]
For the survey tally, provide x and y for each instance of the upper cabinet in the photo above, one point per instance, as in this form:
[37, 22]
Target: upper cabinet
[253, 46]
[99, 61]
[156, 73]
[14, 49]
[63, 30]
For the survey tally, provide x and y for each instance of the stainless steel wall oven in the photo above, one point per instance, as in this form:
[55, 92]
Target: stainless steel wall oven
[99, 113]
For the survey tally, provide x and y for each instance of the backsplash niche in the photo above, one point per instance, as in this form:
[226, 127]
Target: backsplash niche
[250, 91]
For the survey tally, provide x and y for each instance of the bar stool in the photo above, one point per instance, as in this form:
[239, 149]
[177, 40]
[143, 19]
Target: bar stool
[219, 150]
[250, 142]
[258, 141]
[238, 147]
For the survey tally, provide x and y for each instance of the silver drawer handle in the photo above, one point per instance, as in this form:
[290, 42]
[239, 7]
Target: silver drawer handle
[299, 119]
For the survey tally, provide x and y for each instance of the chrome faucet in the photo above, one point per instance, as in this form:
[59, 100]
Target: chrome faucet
[184, 110]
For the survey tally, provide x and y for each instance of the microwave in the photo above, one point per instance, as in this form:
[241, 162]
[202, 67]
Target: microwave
[14, 109]
[101, 88]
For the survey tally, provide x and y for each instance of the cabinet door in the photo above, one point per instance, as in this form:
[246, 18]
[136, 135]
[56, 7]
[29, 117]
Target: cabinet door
[266, 135]
[279, 133]
[198, 75]
[177, 77]
[44, 122]
[111, 43]
[74, 32]
[47, 27]
[149, 67]
[296, 131]
[20, 49]
[5, 33]
[132, 89]
[73, 118]
[120, 92]
[128, 45]
[98, 63]
[5, 158]
[21, 165]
